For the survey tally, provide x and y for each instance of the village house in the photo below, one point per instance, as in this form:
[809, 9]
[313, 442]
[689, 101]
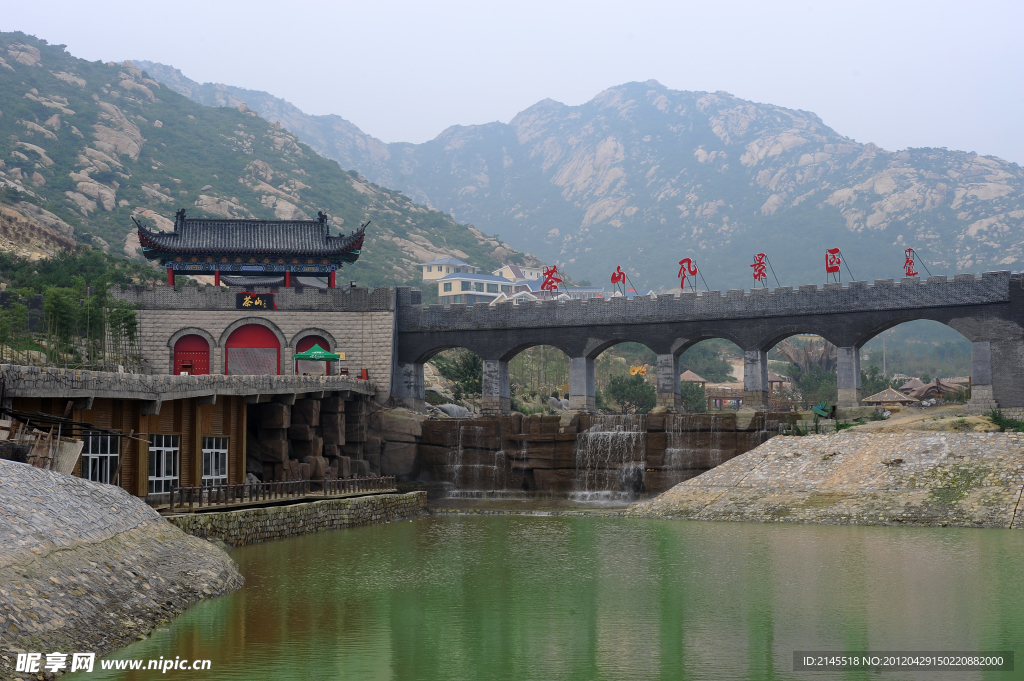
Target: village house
[471, 288]
[519, 273]
[436, 269]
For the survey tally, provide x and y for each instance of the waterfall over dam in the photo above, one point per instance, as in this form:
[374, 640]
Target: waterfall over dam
[583, 456]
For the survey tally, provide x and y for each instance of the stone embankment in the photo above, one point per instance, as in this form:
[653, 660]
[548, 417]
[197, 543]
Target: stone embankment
[86, 567]
[948, 479]
[253, 525]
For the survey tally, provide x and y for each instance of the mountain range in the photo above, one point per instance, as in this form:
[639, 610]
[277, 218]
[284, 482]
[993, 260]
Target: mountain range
[642, 176]
[87, 146]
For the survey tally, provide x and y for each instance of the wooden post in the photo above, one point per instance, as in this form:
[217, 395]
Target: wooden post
[331, 279]
[197, 435]
[216, 277]
[287, 278]
[170, 276]
[142, 479]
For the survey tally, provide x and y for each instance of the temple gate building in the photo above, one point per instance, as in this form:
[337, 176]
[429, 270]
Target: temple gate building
[273, 250]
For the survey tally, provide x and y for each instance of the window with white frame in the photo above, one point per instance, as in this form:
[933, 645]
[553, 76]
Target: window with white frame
[215, 461]
[99, 457]
[164, 462]
[430, 268]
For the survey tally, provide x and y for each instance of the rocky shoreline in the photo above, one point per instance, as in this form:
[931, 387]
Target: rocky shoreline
[86, 567]
[940, 480]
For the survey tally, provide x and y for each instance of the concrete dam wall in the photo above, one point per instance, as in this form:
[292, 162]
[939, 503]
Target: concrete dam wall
[573, 453]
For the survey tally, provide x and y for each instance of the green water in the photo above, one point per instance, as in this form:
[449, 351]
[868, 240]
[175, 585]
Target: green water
[517, 597]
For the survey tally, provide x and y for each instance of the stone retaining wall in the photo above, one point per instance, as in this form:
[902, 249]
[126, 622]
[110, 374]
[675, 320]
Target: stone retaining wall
[952, 479]
[86, 567]
[254, 525]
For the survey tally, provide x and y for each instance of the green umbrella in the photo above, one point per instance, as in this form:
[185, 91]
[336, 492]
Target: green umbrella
[318, 354]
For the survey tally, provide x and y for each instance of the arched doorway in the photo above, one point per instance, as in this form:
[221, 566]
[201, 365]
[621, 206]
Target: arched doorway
[311, 367]
[192, 355]
[252, 350]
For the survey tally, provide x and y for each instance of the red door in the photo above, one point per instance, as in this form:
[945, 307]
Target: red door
[191, 355]
[252, 350]
[308, 342]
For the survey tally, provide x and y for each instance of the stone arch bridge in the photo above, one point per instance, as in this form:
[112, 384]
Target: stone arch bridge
[987, 310]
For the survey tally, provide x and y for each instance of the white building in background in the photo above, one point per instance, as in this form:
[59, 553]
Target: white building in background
[471, 288]
[518, 273]
[435, 269]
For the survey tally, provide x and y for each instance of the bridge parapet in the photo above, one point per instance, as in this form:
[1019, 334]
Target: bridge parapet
[857, 296]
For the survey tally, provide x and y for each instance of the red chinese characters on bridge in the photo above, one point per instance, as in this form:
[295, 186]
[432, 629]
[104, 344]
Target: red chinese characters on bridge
[832, 260]
[758, 266]
[551, 278]
[686, 269]
[908, 264]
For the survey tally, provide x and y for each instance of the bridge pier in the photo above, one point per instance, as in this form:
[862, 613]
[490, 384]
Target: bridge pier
[755, 379]
[582, 385]
[848, 376]
[982, 395]
[668, 383]
[496, 399]
[408, 386]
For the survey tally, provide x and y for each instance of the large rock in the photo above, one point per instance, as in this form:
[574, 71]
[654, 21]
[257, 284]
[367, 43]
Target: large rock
[306, 412]
[332, 405]
[399, 459]
[301, 432]
[332, 419]
[354, 431]
[332, 426]
[274, 451]
[273, 434]
[275, 415]
[312, 447]
[401, 425]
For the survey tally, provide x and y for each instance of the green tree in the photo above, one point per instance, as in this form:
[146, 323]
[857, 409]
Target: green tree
[815, 385]
[633, 394]
[704, 360]
[694, 399]
[462, 367]
[871, 381]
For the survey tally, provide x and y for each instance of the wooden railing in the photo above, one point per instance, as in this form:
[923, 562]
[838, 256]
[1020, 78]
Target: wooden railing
[194, 498]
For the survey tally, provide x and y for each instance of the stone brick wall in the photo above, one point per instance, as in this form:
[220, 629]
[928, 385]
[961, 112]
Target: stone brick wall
[366, 338]
[360, 323]
[952, 479]
[250, 526]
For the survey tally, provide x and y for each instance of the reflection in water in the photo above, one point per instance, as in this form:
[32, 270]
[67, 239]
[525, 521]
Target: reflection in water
[512, 597]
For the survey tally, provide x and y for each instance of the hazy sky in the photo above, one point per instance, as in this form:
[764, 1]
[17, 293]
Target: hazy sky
[895, 73]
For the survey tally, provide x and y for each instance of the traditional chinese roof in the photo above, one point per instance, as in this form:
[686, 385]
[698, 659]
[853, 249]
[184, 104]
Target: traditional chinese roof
[201, 236]
[691, 377]
[889, 396]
